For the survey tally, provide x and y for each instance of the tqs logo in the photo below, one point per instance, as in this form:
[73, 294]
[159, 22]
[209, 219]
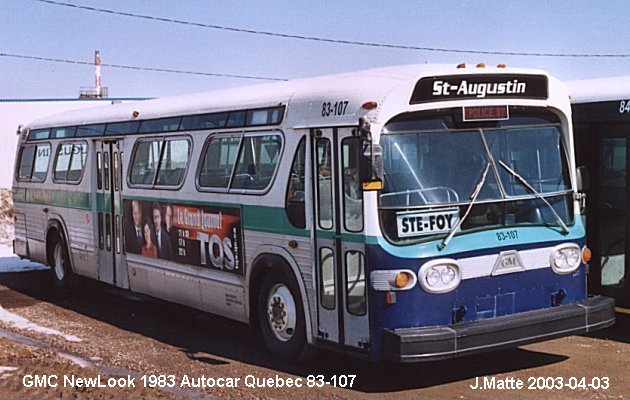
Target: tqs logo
[480, 89]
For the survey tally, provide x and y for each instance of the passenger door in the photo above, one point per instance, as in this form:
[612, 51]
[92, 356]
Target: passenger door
[112, 267]
[610, 203]
[339, 233]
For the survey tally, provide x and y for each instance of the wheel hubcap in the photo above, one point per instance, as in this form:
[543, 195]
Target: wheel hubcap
[59, 262]
[281, 313]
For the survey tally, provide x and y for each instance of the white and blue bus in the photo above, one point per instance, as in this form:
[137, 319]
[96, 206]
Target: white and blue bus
[408, 213]
[601, 118]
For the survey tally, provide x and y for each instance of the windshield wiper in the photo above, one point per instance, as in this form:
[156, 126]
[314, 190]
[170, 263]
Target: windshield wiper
[540, 196]
[473, 198]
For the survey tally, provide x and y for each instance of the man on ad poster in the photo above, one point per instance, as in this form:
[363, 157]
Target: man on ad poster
[203, 236]
[134, 232]
[162, 240]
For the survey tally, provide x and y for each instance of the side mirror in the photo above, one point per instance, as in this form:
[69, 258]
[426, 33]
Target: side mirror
[370, 158]
[371, 167]
[583, 179]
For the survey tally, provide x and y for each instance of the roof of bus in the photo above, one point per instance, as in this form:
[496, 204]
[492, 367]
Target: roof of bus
[596, 90]
[369, 84]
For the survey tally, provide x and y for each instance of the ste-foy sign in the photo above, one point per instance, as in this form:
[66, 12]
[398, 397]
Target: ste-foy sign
[441, 88]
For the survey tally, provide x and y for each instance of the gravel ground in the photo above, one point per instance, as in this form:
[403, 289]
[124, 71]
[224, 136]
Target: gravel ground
[125, 334]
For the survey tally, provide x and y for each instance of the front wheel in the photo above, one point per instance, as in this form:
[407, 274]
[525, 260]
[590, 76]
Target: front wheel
[281, 318]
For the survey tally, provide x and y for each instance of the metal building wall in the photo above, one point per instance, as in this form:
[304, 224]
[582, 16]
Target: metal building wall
[15, 112]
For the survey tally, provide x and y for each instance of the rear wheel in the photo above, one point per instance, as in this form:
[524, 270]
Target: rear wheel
[281, 318]
[59, 261]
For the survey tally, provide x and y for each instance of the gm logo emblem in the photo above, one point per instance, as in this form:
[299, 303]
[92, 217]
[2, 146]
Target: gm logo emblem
[508, 262]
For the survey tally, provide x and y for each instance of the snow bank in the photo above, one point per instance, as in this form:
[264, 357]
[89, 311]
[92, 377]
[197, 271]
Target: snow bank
[9, 262]
[20, 322]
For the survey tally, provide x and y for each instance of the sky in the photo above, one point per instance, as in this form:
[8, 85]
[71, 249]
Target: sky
[34, 28]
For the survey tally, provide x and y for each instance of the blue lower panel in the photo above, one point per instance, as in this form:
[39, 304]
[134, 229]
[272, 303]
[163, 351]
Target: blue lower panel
[473, 300]
[423, 344]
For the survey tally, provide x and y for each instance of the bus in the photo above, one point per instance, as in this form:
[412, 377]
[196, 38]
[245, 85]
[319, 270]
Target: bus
[405, 213]
[601, 117]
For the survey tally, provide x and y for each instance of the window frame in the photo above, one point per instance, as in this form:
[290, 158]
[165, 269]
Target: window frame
[19, 162]
[241, 135]
[59, 146]
[154, 185]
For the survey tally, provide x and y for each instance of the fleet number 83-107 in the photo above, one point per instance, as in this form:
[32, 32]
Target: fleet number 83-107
[334, 109]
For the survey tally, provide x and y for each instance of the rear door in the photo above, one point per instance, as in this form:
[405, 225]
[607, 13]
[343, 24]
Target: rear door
[112, 267]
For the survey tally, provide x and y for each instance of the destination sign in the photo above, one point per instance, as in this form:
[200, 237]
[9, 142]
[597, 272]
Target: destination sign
[442, 88]
[411, 223]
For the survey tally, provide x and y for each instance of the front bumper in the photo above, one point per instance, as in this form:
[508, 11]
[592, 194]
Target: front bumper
[434, 343]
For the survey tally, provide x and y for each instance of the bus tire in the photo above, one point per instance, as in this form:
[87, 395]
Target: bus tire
[281, 318]
[59, 260]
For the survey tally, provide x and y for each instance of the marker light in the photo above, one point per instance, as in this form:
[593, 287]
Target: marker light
[462, 65]
[586, 255]
[369, 105]
[501, 66]
[565, 258]
[481, 65]
[439, 276]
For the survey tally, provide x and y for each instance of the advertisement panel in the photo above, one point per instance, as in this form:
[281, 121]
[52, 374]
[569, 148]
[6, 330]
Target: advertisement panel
[203, 236]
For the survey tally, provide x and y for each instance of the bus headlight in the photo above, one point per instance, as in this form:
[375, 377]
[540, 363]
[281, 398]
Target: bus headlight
[439, 276]
[565, 258]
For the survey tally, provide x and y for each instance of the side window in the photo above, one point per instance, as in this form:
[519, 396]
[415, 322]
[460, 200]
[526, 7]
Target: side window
[34, 163]
[27, 156]
[160, 162]
[218, 162]
[324, 184]
[145, 162]
[355, 283]
[173, 162]
[257, 162]
[352, 188]
[327, 287]
[70, 162]
[64, 153]
[295, 197]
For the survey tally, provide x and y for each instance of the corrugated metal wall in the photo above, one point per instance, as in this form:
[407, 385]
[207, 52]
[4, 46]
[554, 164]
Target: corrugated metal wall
[22, 111]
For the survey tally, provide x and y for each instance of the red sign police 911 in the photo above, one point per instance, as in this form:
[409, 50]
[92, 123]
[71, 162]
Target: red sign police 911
[486, 113]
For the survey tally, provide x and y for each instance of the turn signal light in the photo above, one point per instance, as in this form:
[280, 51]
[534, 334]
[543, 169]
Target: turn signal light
[586, 255]
[402, 279]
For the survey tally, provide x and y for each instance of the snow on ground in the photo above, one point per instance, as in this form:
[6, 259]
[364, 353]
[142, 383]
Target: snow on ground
[5, 371]
[20, 322]
[9, 262]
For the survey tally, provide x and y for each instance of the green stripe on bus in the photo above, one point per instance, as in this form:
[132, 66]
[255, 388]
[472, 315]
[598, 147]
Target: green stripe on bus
[345, 237]
[61, 198]
[270, 219]
[254, 218]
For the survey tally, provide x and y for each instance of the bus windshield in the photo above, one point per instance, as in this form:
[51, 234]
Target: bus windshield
[434, 168]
